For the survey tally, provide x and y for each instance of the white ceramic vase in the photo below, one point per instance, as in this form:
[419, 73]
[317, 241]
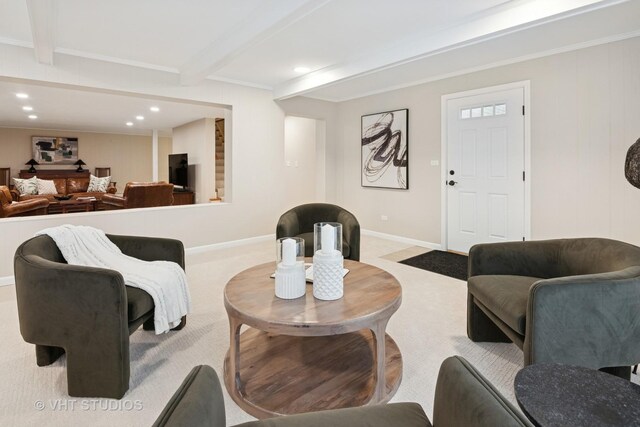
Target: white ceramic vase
[328, 280]
[290, 281]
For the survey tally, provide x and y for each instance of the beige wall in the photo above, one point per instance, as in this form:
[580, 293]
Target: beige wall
[300, 160]
[164, 149]
[584, 116]
[197, 139]
[128, 156]
[256, 148]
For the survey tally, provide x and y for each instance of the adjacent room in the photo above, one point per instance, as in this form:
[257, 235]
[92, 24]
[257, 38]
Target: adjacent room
[320, 213]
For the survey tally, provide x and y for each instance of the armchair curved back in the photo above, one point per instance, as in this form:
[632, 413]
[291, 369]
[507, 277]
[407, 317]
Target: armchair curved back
[9, 207]
[86, 312]
[148, 194]
[5, 195]
[300, 220]
[553, 258]
[594, 256]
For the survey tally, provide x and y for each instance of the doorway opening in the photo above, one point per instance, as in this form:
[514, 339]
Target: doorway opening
[218, 194]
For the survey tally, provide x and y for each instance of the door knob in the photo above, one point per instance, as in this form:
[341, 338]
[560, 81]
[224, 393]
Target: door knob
[452, 183]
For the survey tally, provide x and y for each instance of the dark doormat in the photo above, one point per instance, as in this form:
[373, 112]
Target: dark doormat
[447, 263]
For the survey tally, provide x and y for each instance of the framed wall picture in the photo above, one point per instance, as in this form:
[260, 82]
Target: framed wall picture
[54, 150]
[385, 150]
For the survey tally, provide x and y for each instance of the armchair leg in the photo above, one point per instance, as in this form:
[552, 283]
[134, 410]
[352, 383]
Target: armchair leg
[46, 355]
[150, 326]
[623, 372]
[479, 327]
[182, 324]
[98, 371]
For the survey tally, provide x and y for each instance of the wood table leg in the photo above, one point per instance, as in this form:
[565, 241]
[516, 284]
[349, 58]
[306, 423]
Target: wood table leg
[379, 337]
[234, 355]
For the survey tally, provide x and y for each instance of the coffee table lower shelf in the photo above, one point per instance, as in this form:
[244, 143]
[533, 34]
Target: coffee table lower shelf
[282, 374]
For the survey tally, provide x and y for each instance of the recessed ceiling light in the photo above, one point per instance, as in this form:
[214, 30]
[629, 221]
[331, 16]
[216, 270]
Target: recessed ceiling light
[301, 69]
[33, 116]
[154, 109]
[139, 117]
[27, 108]
[129, 123]
[22, 95]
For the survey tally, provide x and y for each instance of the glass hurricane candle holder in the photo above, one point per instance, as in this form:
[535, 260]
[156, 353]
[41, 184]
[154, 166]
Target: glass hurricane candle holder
[327, 236]
[328, 263]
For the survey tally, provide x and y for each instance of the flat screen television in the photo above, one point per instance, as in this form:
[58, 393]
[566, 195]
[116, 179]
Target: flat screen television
[179, 170]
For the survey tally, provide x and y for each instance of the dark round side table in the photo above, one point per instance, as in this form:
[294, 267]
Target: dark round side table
[562, 395]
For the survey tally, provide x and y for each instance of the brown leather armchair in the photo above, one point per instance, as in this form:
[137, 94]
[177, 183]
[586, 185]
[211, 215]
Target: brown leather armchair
[140, 195]
[9, 208]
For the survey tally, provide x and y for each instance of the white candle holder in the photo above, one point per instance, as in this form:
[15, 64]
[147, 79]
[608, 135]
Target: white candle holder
[328, 262]
[290, 274]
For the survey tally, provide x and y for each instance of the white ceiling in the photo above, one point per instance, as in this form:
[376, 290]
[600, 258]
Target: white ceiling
[353, 47]
[81, 110]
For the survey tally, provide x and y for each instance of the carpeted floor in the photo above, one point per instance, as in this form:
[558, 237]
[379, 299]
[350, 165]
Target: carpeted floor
[446, 263]
[429, 326]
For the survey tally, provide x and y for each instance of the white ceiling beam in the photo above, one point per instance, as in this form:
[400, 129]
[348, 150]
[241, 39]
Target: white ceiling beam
[267, 20]
[42, 20]
[492, 23]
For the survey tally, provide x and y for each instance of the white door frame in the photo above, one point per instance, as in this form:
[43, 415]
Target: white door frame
[526, 86]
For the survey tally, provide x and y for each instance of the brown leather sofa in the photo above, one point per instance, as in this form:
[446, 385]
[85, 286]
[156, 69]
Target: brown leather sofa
[9, 208]
[75, 186]
[140, 195]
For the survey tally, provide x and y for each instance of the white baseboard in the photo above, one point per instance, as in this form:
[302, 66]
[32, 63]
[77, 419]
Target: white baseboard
[7, 280]
[229, 244]
[401, 239]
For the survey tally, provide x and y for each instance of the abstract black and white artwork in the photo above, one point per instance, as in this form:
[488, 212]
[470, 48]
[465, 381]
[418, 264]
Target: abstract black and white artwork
[385, 150]
[53, 150]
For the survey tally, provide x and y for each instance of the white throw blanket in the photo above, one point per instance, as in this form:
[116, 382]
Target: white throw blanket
[165, 281]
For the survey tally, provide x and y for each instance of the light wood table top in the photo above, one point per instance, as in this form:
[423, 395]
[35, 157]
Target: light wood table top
[317, 354]
[369, 293]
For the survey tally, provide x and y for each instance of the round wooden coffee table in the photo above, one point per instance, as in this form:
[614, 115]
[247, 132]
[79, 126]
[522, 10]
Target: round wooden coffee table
[306, 354]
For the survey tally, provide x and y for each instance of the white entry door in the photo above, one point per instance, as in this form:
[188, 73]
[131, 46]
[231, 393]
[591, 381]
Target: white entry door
[485, 169]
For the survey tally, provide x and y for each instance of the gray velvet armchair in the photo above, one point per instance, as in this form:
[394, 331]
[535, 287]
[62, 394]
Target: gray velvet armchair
[571, 301]
[463, 398]
[298, 222]
[87, 313]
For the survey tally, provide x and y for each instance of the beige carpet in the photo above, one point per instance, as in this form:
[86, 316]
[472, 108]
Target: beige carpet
[429, 326]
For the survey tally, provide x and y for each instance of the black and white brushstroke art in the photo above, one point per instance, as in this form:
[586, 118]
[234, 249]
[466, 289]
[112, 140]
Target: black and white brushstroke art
[385, 153]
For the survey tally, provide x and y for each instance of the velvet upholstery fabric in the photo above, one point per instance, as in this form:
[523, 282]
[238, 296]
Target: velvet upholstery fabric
[84, 311]
[505, 295]
[198, 402]
[584, 310]
[299, 221]
[392, 414]
[463, 398]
